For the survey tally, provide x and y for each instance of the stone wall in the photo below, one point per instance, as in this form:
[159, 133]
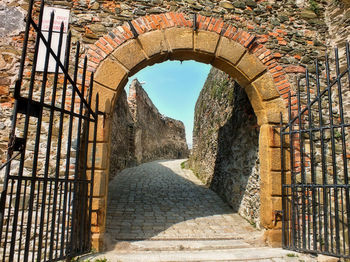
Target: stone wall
[156, 136]
[141, 134]
[122, 141]
[290, 35]
[296, 31]
[225, 144]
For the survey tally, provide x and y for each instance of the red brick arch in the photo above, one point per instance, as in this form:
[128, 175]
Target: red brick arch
[171, 36]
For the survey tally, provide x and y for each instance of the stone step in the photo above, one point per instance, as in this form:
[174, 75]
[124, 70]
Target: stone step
[237, 254]
[175, 245]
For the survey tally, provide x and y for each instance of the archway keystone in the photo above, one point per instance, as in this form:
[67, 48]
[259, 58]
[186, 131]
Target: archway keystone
[118, 55]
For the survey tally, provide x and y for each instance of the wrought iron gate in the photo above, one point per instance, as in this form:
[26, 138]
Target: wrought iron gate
[315, 161]
[45, 205]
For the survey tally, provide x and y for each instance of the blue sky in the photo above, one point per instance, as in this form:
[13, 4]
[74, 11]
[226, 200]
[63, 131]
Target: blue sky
[174, 88]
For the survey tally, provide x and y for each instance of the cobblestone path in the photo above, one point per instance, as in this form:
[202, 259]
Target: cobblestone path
[159, 200]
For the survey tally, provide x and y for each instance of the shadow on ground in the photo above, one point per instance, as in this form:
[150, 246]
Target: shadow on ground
[159, 200]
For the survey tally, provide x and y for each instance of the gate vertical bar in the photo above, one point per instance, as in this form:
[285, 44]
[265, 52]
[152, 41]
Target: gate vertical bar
[59, 144]
[37, 142]
[344, 147]
[335, 176]
[86, 150]
[53, 102]
[283, 182]
[312, 158]
[77, 186]
[323, 157]
[70, 132]
[302, 172]
[291, 148]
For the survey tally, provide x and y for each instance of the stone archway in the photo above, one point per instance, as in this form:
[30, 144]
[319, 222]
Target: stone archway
[170, 36]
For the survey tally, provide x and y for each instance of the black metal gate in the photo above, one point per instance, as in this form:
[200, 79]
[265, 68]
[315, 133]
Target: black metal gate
[315, 160]
[45, 205]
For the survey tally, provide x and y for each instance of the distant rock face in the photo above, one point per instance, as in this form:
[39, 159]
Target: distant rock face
[141, 134]
[122, 144]
[225, 144]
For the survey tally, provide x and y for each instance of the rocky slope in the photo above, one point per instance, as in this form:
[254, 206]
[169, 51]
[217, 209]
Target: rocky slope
[141, 134]
[225, 144]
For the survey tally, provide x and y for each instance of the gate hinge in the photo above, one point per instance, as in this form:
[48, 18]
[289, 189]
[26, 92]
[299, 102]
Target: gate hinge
[278, 215]
[16, 144]
[31, 107]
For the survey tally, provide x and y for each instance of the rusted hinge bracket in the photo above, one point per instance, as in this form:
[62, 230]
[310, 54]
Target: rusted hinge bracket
[278, 215]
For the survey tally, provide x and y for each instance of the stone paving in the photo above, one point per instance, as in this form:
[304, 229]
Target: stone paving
[159, 200]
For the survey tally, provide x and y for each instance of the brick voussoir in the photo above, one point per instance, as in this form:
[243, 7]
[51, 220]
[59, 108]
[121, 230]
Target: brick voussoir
[248, 40]
[107, 44]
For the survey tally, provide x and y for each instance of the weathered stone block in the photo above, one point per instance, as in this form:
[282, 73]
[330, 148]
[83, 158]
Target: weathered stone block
[250, 66]
[179, 38]
[110, 73]
[273, 237]
[94, 219]
[254, 98]
[206, 41]
[130, 54]
[106, 98]
[272, 112]
[266, 87]
[101, 157]
[275, 159]
[97, 241]
[269, 206]
[103, 129]
[98, 229]
[271, 135]
[276, 182]
[153, 43]
[100, 182]
[98, 203]
[229, 50]
[266, 209]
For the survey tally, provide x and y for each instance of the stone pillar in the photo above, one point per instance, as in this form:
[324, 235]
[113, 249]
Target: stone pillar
[271, 183]
[100, 184]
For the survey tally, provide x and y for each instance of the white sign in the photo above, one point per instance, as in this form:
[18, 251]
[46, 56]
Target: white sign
[61, 15]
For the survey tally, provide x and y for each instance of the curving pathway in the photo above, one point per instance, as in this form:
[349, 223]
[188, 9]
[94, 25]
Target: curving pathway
[158, 212]
[159, 200]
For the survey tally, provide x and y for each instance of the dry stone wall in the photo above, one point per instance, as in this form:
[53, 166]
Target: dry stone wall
[141, 134]
[225, 144]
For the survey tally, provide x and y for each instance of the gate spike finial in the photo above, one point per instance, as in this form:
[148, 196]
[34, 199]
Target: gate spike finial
[195, 28]
[133, 30]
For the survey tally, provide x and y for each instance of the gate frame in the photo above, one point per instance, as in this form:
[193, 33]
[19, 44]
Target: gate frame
[76, 209]
[308, 227]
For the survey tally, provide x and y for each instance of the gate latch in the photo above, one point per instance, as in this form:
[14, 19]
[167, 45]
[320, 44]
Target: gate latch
[278, 214]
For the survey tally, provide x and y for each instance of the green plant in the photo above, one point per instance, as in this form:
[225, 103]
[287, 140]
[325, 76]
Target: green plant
[76, 259]
[101, 260]
[183, 164]
[337, 134]
[314, 6]
[291, 255]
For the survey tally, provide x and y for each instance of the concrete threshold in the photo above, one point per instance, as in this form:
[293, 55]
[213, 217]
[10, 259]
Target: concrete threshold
[238, 254]
[175, 245]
